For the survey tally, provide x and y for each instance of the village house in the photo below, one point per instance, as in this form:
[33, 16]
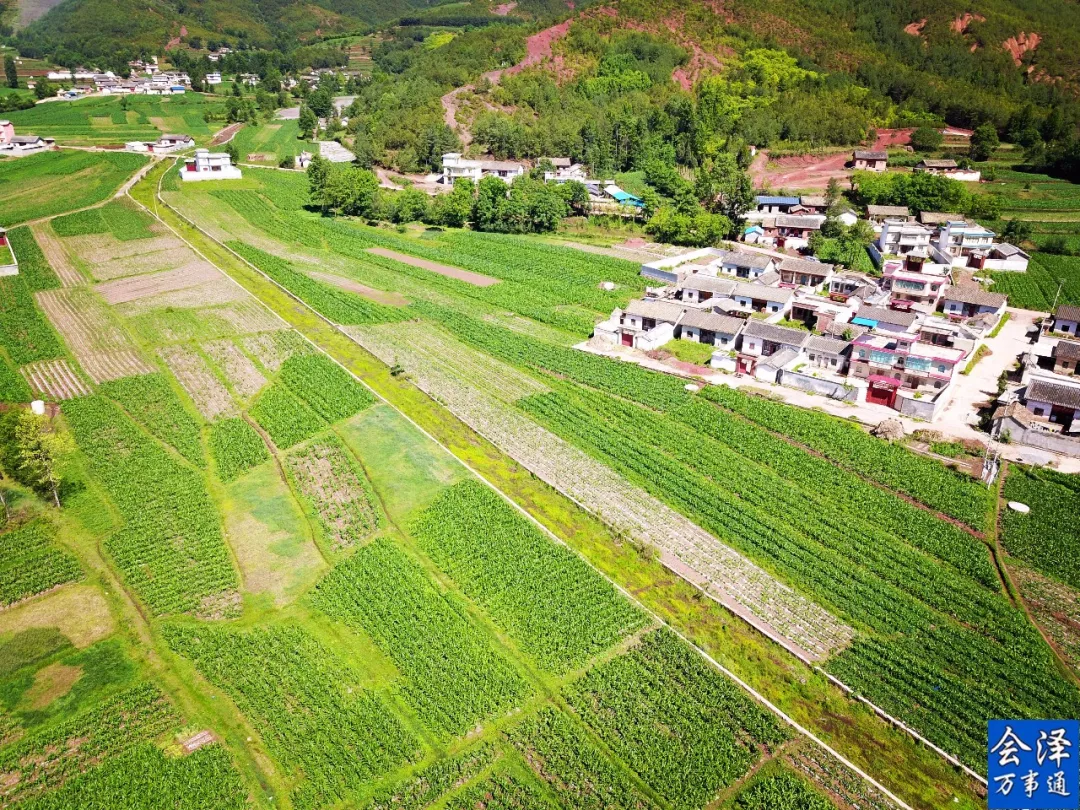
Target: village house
[1066, 357]
[959, 238]
[745, 265]
[843, 286]
[828, 353]
[455, 166]
[1067, 320]
[791, 230]
[877, 214]
[213, 79]
[889, 363]
[900, 237]
[760, 298]
[7, 132]
[948, 168]
[915, 280]
[887, 320]
[1058, 403]
[27, 144]
[870, 161]
[768, 345]
[775, 205]
[699, 288]
[171, 143]
[971, 300]
[935, 219]
[303, 160]
[951, 334]
[710, 328]
[804, 273]
[207, 165]
[814, 204]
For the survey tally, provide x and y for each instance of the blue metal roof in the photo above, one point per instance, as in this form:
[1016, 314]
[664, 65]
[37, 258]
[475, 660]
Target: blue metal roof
[627, 197]
[777, 200]
[864, 322]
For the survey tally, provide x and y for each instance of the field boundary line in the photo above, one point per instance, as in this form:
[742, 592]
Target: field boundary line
[760, 698]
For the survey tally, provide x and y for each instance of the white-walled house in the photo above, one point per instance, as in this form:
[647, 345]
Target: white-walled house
[971, 300]
[899, 238]
[455, 166]
[1067, 320]
[207, 165]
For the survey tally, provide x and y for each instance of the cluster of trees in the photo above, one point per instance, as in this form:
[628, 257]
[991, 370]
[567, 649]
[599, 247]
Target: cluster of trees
[921, 191]
[528, 205]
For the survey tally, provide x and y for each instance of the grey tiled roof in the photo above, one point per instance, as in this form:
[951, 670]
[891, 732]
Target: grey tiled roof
[774, 333]
[1067, 396]
[975, 295]
[885, 315]
[827, 344]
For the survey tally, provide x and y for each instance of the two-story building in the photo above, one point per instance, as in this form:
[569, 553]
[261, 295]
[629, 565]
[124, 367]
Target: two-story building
[915, 280]
[804, 273]
[455, 166]
[207, 165]
[899, 238]
[959, 238]
[889, 363]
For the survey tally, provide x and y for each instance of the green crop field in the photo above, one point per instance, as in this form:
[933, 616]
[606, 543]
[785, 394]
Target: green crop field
[55, 182]
[272, 142]
[114, 120]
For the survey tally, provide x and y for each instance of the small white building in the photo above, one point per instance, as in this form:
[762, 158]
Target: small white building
[207, 165]
[303, 160]
[455, 166]
[213, 78]
[1067, 320]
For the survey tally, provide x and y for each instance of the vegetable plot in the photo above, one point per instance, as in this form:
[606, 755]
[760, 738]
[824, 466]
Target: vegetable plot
[455, 676]
[236, 448]
[548, 600]
[32, 562]
[150, 401]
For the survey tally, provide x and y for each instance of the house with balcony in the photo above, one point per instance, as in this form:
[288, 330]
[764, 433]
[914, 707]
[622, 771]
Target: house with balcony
[970, 301]
[455, 166]
[958, 239]
[869, 161]
[893, 364]
[915, 280]
[938, 331]
[804, 273]
[899, 238]
[207, 165]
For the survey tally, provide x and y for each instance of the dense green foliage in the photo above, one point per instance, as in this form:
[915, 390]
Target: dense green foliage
[454, 677]
[849, 445]
[550, 602]
[429, 784]
[297, 694]
[236, 447]
[24, 331]
[781, 790]
[151, 401]
[31, 562]
[1038, 287]
[330, 390]
[170, 550]
[502, 791]
[122, 220]
[922, 191]
[1049, 536]
[285, 416]
[573, 766]
[33, 266]
[711, 728]
[51, 183]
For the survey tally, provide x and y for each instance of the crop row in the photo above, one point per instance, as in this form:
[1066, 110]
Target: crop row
[455, 677]
[334, 737]
[13, 386]
[34, 268]
[255, 209]
[659, 391]
[712, 730]
[121, 219]
[24, 331]
[236, 448]
[150, 401]
[43, 759]
[1048, 536]
[508, 791]
[31, 562]
[338, 493]
[337, 305]
[285, 416]
[847, 444]
[429, 784]
[170, 549]
[1038, 287]
[781, 790]
[834, 484]
[866, 574]
[548, 600]
[574, 768]
[145, 777]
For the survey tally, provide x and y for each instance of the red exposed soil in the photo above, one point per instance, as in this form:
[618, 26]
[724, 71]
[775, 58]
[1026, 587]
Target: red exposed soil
[504, 9]
[1020, 44]
[467, 276]
[915, 28]
[538, 46]
[226, 135]
[812, 171]
[962, 21]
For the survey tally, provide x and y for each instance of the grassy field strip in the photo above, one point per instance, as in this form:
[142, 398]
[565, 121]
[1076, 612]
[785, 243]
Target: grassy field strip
[326, 330]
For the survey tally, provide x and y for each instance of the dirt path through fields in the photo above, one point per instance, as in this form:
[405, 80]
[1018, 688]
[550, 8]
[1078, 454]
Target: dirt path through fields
[799, 172]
